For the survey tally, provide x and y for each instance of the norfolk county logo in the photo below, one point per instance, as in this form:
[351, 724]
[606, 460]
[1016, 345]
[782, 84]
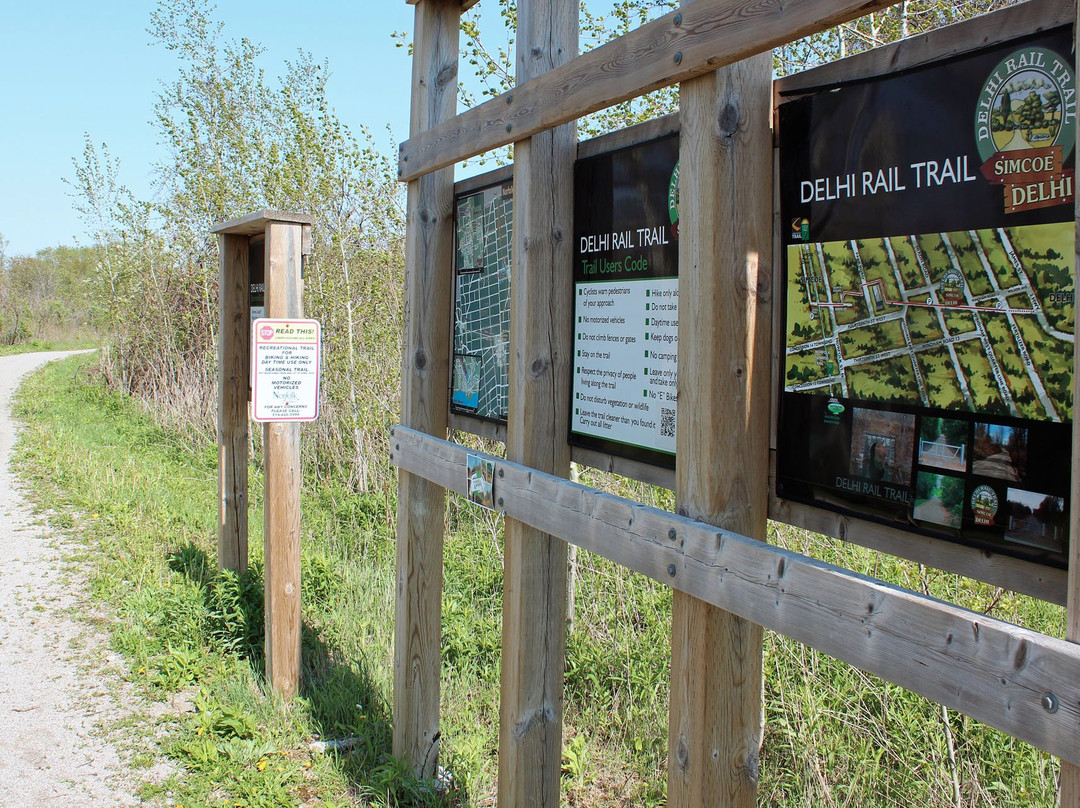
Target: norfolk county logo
[1025, 127]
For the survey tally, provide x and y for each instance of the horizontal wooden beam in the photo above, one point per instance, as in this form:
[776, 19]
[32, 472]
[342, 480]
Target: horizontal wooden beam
[465, 4]
[257, 222]
[1017, 680]
[696, 39]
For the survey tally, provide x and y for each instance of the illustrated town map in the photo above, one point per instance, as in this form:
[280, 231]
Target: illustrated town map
[977, 320]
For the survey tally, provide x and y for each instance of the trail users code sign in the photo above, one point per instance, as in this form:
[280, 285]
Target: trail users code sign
[285, 370]
[626, 301]
[927, 223]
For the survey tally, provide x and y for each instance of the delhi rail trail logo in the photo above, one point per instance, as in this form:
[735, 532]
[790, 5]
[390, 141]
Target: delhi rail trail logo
[1025, 128]
[984, 504]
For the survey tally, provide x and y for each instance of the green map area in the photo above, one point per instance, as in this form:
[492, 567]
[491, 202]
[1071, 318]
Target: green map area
[976, 320]
[482, 303]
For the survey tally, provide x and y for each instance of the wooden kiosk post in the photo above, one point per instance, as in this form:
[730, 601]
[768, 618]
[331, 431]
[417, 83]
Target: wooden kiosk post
[535, 565]
[425, 397]
[283, 240]
[722, 473]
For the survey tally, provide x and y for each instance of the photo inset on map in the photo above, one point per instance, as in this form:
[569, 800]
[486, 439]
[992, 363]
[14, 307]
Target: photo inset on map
[939, 498]
[1037, 520]
[943, 443]
[881, 446]
[466, 393]
[1000, 451]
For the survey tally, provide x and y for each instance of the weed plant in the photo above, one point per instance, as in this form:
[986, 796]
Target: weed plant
[143, 499]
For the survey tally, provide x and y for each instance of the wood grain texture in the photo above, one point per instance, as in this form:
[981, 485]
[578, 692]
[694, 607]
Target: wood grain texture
[991, 670]
[709, 34]
[535, 563]
[721, 477]
[281, 503]
[1069, 785]
[234, 338]
[465, 4]
[429, 245]
[987, 29]
[255, 224]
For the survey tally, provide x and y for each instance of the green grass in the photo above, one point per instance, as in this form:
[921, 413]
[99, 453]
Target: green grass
[38, 345]
[144, 505]
[143, 501]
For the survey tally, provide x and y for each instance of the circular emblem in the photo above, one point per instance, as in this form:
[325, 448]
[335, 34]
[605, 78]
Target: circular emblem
[984, 504]
[1027, 102]
[673, 200]
[951, 287]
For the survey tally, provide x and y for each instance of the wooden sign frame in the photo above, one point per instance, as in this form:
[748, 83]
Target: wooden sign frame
[283, 239]
[728, 583]
[1037, 580]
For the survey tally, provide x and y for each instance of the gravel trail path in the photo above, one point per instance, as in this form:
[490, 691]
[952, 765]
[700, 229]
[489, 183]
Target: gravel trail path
[54, 699]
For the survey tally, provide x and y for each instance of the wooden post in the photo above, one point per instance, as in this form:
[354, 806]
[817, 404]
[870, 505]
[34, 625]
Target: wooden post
[287, 240]
[425, 382]
[725, 280]
[1069, 778]
[234, 337]
[541, 322]
[281, 506]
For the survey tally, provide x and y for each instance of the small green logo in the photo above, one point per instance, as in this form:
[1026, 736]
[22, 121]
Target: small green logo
[673, 200]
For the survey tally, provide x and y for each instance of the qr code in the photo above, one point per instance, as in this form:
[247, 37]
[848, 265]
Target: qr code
[667, 423]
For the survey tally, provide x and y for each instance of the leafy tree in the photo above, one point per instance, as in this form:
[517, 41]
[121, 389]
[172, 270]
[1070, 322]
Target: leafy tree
[235, 140]
[488, 46]
[1031, 115]
[1052, 102]
[950, 489]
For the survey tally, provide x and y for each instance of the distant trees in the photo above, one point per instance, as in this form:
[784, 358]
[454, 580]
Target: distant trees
[46, 296]
[1005, 109]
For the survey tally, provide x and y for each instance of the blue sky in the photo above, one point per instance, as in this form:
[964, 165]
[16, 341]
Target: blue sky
[70, 68]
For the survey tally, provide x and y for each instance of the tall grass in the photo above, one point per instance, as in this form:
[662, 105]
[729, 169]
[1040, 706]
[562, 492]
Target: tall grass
[144, 502]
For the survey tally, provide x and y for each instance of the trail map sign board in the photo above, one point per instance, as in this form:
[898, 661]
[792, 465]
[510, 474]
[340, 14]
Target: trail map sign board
[928, 227]
[285, 370]
[626, 301]
[484, 232]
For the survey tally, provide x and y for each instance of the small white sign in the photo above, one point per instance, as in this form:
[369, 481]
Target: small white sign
[285, 361]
